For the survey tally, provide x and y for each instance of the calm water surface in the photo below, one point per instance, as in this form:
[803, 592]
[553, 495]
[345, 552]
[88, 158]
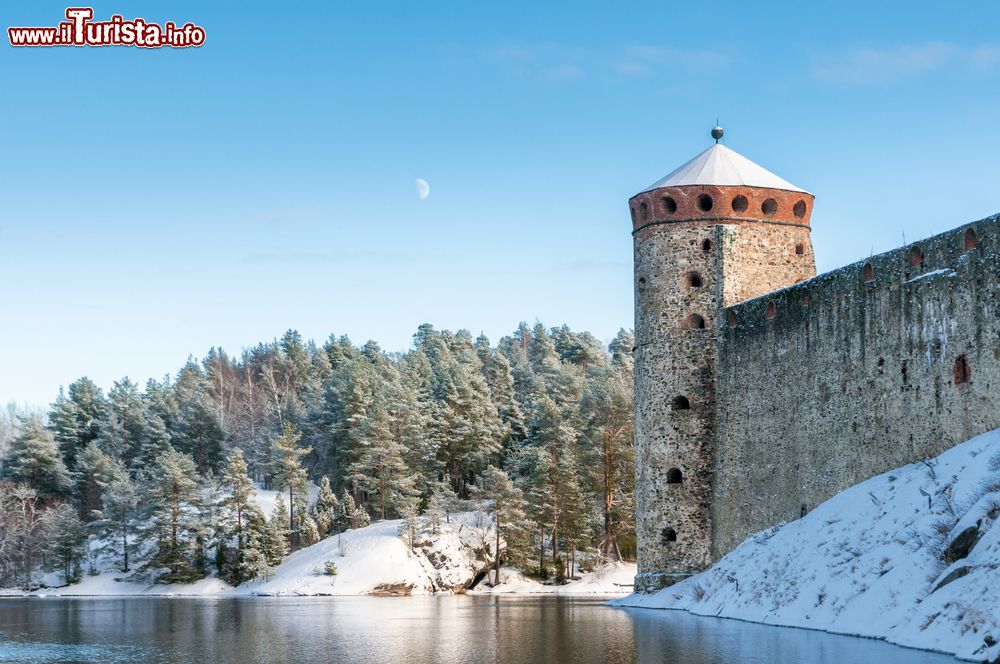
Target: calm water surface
[408, 630]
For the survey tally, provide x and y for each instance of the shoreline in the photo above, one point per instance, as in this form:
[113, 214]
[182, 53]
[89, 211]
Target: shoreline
[884, 639]
[608, 596]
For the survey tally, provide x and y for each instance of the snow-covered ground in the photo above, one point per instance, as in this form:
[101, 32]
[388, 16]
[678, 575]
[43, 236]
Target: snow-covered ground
[609, 579]
[370, 560]
[267, 498]
[888, 558]
[376, 560]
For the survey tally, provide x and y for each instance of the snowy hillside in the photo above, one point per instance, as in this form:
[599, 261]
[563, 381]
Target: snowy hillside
[375, 560]
[911, 556]
[370, 560]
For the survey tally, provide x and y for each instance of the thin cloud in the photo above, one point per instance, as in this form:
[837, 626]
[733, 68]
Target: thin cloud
[870, 66]
[563, 72]
[544, 60]
[553, 61]
[645, 60]
[282, 217]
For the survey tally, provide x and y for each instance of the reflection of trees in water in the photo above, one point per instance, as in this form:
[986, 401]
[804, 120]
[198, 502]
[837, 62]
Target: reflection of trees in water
[417, 630]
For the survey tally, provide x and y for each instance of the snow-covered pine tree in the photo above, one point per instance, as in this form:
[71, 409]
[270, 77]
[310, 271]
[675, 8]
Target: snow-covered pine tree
[95, 471]
[500, 379]
[33, 459]
[174, 516]
[575, 524]
[607, 448]
[327, 508]
[288, 474]
[409, 510]
[276, 541]
[440, 504]
[622, 357]
[408, 425]
[352, 515]
[123, 431]
[254, 560]
[9, 415]
[465, 425]
[200, 432]
[237, 497]
[75, 418]
[422, 440]
[379, 468]
[546, 470]
[115, 524]
[532, 466]
[308, 530]
[504, 503]
[154, 441]
[65, 539]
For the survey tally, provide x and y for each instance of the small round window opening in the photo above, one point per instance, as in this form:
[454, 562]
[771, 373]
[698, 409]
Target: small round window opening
[642, 283]
[771, 311]
[695, 322]
[694, 280]
[732, 319]
[706, 245]
[769, 207]
[800, 249]
[740, 203]
[644, 210]
[669, 205]
[705, 202]
[799, 209]
[674, 476]
[916, 257]
[681, 402]
[669, 535]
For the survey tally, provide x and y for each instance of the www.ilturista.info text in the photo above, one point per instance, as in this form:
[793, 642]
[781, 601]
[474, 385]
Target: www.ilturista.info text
[81, 30]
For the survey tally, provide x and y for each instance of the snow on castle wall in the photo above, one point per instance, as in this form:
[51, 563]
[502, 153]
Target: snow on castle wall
[833, 380]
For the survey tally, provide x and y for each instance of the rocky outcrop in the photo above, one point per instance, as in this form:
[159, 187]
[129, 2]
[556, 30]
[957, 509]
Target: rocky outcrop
[962, 545]
[456, 557]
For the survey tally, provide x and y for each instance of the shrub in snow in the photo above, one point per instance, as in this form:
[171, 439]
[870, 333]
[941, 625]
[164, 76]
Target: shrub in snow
[330, 568]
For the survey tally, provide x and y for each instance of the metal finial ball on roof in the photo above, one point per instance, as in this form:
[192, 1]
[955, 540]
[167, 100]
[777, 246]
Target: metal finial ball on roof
[717, 133]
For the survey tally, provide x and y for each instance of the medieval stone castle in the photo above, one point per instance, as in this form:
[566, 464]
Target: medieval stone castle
[763, 389]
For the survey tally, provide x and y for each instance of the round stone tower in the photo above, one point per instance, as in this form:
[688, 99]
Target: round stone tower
[718, 230]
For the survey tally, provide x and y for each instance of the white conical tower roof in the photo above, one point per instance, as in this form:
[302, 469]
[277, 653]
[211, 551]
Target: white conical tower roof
[718, 165]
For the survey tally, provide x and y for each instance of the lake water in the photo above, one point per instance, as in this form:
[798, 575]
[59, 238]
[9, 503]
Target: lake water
[407, 630]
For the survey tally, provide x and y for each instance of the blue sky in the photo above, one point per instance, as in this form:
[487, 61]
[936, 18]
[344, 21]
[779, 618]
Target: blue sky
[156, 203]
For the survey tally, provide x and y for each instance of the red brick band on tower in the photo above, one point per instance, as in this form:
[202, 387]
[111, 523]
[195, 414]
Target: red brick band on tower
[729, 204]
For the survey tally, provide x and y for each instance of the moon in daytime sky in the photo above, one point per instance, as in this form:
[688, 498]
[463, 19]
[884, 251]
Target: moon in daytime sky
[423, 188]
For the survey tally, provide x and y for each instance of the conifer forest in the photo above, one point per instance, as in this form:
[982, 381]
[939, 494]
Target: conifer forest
[536, 431]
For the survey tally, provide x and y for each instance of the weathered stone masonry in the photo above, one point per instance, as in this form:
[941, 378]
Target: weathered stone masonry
[761, 389]
[860, 370]
[697, 248]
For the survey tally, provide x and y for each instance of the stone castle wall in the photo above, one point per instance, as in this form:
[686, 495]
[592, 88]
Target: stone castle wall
[828, 382]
